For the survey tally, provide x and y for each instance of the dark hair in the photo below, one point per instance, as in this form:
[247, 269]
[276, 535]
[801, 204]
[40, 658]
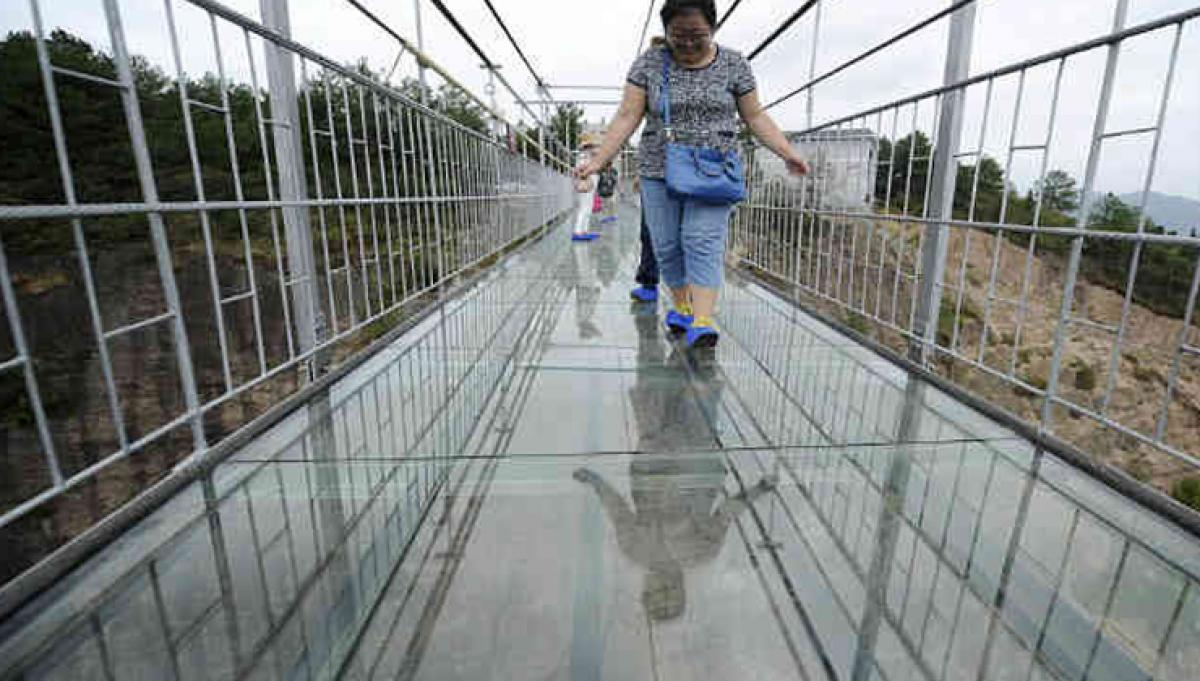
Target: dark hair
[673, 8]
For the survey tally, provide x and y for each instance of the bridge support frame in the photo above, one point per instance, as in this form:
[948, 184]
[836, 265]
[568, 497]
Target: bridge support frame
[293, 186]
[941, 196]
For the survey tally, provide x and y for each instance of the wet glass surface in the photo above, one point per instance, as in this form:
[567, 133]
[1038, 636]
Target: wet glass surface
[538, 483]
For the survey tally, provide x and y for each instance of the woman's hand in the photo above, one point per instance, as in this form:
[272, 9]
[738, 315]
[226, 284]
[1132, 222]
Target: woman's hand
[586, 169]
[796, 165]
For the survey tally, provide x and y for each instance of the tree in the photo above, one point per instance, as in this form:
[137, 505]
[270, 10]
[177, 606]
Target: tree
[458, 106]
[988, 191]
[1059, 192]
[896, 175]
[1114, 215]
[566, 125]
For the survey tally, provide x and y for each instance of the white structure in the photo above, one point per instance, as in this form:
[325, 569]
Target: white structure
[843, 167]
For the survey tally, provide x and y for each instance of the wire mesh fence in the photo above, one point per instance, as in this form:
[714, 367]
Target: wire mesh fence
[943, 225]
[188, 243]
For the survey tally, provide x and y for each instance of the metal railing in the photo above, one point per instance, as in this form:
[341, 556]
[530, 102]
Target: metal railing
[356, 202]
[871, 517]
[304, 532]
[897, 234]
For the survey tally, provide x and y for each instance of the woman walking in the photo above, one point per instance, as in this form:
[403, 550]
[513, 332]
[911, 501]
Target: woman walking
[708, 88]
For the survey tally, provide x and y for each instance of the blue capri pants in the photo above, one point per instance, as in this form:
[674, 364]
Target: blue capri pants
[689, 237]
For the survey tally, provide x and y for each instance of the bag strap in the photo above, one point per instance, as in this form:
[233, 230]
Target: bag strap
[664, 96]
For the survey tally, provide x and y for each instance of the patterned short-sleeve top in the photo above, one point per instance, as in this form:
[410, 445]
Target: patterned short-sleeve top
[703, 103]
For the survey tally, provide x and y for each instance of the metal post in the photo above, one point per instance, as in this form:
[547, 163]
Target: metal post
[428, 133]
[941, 197]
[812, 64]
[544, 122]
[1081, 220]
[887, 534]
[490, 90]
[293, 186]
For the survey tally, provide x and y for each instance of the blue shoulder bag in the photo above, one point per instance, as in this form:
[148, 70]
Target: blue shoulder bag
[704, 174]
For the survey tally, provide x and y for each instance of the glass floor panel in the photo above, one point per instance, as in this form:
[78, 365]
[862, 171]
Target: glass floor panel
[537, 482]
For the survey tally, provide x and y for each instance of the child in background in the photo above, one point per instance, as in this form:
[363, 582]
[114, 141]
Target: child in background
[585, 190]
[605, 189]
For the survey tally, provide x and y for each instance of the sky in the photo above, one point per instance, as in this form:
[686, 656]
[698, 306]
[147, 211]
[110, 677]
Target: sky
[574, 42]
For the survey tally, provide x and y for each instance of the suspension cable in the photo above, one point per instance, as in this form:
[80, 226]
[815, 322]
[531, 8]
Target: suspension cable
[727, 13]
[787, 23]
[462, 32]
[872, 51]
[488, 63]
[645, 27]
[424, 59]
[513, 41]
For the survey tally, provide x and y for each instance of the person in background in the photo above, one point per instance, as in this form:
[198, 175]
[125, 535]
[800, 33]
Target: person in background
[585, 191]
[711, 88]
[647, 272]
[647, 276]
[606, 188]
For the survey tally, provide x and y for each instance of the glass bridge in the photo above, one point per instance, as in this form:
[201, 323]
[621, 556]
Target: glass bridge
[303, 378]
[534, 482]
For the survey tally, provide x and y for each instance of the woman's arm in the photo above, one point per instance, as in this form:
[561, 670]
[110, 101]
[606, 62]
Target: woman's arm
[767, 132]
[629, 116]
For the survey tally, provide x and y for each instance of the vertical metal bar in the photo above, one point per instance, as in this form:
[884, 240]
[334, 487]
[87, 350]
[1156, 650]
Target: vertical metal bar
[1114, 361]
[1176, 611]
[426, 127]
[189, 133]
[256, 545]
[383, 193]
[397, 142]
[812, 64]
[158, 232]
[285, 304]
[1085, 208]
[454, 187]
[239, 196]
[799, 221]
[1027, 275]
[941, 196]
[362, 115]
[918, 270]
[477, 151]
[346, 267]
[1109, 599]
[318, 182]
[297, 578]
[472, 155]
[466, 177]
[358, 217]
[419, 210]
[1160, 427]
[887, 533]
[966, 254]
[912, 152]
[164, 624]
[998, 239]
[281, 79]
[17, 332]
[891, 164]
[216, 536]
[85, 265]
[407, 231]
[451, 172]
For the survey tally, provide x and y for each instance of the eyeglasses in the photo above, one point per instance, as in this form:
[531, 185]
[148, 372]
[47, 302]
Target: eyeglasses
[690, 38]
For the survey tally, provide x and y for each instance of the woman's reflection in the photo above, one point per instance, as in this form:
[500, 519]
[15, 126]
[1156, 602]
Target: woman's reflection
[681, 510]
